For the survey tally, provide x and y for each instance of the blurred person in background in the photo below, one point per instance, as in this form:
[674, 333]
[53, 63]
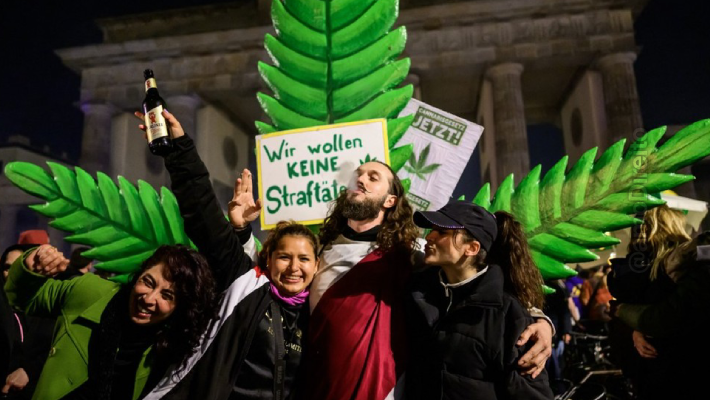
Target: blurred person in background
[78, 264]
[29, 337]
[641, 278]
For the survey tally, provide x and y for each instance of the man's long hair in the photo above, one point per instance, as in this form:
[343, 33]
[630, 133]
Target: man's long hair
[397, 232]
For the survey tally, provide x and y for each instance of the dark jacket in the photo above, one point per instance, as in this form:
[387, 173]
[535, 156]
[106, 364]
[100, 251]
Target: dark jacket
[557, 308]
[469, 351]
[32, 353]
[681, 320]
[243, 322]
[629, 281]
[10, 339]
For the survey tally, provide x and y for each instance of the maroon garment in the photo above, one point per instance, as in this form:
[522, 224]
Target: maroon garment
[34, 236]
[357, 332]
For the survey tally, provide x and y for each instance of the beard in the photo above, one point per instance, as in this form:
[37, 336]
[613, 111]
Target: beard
[366, 209]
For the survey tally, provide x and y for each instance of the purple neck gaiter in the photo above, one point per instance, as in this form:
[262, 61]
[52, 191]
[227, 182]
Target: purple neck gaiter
[292, 300]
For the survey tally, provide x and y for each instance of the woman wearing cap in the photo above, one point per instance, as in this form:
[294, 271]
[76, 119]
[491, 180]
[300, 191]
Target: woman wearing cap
[465, 315]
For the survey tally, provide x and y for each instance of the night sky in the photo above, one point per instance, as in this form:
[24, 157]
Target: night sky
[39, 94]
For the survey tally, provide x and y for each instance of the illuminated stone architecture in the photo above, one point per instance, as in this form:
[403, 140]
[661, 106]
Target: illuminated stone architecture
[506, 64]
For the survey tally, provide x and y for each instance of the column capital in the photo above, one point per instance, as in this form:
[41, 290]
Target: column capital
[191, 101]
[412, 78]
[105, 109]
[504, 69]
[264, 10]
[606, 61]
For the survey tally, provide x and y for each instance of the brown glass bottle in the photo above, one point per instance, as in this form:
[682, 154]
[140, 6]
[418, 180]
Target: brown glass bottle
[156, 127]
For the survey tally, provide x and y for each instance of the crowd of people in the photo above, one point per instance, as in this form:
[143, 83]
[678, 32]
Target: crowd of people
[652, 305]
[364, 310]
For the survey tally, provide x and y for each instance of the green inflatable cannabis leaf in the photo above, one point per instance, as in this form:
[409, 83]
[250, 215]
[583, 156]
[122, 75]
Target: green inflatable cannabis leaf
[565, 215]
[336, 61]
[124, 225]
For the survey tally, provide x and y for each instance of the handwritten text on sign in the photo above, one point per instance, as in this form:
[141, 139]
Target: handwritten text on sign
[301, 171]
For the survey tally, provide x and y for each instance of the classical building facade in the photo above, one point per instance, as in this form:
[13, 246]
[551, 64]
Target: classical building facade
[15, 216]
[506, 64]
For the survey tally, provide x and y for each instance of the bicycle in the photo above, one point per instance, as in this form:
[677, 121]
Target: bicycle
[589, 375]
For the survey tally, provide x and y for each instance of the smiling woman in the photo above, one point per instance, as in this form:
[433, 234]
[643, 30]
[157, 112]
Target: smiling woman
[289, 255]
[254, 349]
[130, 333]
[152, 299]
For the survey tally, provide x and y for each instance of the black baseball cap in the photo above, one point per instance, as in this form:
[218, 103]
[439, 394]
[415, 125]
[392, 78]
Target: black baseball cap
[462, 215]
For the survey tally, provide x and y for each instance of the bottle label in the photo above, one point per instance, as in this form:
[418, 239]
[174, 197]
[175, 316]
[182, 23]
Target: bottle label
[156, 127]
[150, 84]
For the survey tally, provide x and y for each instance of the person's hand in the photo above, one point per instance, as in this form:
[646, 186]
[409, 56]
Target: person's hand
[642, 346]
[533, 362]
[16, 381]
[46, 260]
[243, 209]
[566, 338]
[173, 124]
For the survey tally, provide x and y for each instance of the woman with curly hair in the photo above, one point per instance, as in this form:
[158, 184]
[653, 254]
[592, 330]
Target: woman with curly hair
[254, 349]
[114, 341]
[466, 312]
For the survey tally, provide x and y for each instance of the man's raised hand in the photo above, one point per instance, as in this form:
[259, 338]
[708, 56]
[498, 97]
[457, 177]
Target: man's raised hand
[243, 209]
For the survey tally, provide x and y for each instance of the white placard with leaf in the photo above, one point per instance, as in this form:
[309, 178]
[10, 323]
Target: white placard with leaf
[443, 144]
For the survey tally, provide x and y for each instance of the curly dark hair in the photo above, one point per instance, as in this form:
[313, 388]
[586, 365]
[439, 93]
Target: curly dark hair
[397, 233]
[196, 301]
[511, 252]
[283, 229]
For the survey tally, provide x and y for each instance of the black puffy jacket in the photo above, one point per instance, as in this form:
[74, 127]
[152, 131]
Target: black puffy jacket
[462, 346]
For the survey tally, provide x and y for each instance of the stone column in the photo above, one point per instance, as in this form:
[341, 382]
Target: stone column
[264, 11]
[184, 107]
[511, 137]
[415, 81]
[96, 138]
[687, 189]
[621, 100]
[8, 224]
[701, 170]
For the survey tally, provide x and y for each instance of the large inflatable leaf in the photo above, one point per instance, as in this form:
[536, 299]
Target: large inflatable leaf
[336, 61]
[123, 224]
[566, 214]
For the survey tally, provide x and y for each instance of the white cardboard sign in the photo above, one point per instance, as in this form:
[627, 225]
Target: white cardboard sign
[301, 171]
[443, 144]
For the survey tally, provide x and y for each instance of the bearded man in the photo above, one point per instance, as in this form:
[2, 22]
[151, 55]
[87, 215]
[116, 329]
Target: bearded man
[357, 348]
